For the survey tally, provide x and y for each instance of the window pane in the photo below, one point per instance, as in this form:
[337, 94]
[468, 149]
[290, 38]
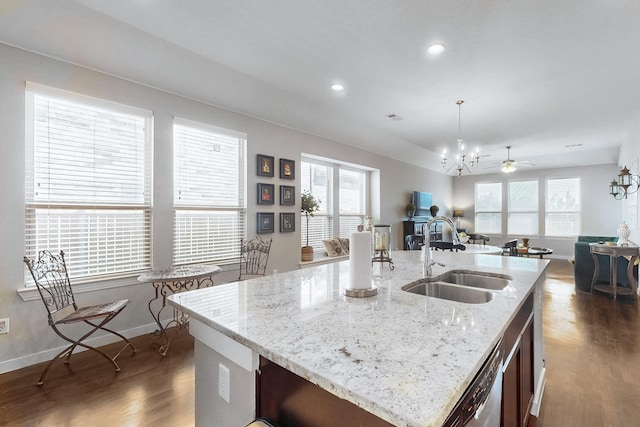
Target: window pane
[489, 197]
[489, 222]
[563, 210]
[352, 192]
[209, 177]
[488, 207]
[523, 208]
[563, 195]
[523, 196]
[525, 224]
[349, 224]
[320, 228]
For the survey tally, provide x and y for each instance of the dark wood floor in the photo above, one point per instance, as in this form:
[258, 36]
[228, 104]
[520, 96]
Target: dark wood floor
[592, 358]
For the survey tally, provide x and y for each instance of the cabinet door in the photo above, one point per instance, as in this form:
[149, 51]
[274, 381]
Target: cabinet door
[517, 382]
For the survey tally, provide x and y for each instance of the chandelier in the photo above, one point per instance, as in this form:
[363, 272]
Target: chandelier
[625, 184]
[461, 164]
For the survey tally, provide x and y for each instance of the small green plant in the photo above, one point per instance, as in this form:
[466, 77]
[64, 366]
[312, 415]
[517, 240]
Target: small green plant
[308, 205]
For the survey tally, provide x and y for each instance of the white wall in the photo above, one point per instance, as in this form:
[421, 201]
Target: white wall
[30, 339]
[630, 156]
[600, 212]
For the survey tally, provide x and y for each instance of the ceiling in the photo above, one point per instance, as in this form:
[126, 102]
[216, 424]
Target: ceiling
[557, 80]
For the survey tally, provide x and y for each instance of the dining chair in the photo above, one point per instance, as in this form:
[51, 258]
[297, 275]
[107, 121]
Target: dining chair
[477, 237]
[50, 275]
[412, 242]
[254, 255]
[510, 248]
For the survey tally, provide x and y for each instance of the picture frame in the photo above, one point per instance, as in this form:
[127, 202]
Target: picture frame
[287, 169]
[265, 165]
[287, 222]
[265, 222]
[266, 194]
[287, 195]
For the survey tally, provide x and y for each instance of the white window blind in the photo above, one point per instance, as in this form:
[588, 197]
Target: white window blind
[353, 200]
[563, 207]
[317, 178]
[523, 208]
[209, 193]
[88, 183]
[488, 207]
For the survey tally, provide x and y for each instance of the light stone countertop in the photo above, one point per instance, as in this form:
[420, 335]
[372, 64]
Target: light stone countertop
[404, 357]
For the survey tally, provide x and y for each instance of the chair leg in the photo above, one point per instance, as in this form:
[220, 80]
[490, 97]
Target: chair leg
[50, 364]
[122, 337]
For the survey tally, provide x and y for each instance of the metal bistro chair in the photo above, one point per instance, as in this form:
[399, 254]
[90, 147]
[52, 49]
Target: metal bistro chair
[49, 272]
[510, 248]
[254, 254]
[476, 237]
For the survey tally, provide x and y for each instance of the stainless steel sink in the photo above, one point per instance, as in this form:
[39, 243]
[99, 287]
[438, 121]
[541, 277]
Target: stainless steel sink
[448, 291]
[496, 282]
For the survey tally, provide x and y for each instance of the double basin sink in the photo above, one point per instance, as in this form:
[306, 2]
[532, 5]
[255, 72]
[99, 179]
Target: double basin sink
[469, 287]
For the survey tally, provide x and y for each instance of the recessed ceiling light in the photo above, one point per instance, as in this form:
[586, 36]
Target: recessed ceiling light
[436, 49]
[337, 87]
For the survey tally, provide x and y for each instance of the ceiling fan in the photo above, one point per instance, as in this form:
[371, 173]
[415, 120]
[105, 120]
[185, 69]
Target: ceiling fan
[510, 165]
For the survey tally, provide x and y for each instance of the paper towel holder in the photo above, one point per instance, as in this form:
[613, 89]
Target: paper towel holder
[361, 293]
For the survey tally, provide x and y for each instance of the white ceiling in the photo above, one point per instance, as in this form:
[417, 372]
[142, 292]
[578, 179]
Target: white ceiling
[536, 75]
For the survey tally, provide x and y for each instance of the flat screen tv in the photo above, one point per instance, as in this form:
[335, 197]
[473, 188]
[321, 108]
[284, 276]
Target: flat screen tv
[423, 202]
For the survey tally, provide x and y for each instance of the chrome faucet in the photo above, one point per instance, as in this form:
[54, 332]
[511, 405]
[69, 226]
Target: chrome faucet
[428, 261]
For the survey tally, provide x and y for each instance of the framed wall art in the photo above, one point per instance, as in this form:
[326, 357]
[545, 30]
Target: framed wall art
[265, 194]
[265, 165]
[287, 222]
[265, 222]
[287, 169]
[287, 195]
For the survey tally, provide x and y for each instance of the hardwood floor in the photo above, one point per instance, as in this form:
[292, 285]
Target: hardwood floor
[148, 391]
[592, 359]
[592, 349]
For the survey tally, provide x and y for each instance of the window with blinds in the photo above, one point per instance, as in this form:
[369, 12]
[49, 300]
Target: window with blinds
[488, 207]
[209, 193]
[317, 178]
[88, 183]
[523, 208]
[563, 207]
[343, 194]
[353, 200]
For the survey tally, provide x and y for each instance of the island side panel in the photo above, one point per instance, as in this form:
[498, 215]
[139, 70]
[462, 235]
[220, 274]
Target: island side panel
[210, 408]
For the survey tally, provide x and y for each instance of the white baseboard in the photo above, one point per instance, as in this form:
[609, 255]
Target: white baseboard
[45, 356]
[537, 398]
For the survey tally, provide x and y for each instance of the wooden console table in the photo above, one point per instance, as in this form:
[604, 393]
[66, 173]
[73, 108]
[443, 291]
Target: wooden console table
[614, 252]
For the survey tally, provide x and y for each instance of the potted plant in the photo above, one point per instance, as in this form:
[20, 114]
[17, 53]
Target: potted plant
[410, 210]
[309, 205]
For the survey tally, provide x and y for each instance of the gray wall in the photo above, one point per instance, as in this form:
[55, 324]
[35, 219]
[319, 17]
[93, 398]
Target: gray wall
[630, 157]
[600, 212]
[30, 339]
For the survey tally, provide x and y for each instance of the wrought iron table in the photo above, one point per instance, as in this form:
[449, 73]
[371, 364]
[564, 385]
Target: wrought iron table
[614, 251]
[172, 280]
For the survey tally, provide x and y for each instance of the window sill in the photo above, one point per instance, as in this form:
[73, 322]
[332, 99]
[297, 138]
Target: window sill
[31, 293]
[322, 259]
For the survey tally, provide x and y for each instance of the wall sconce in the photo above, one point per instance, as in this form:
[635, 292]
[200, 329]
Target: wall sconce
[457, 214]
[626, 183]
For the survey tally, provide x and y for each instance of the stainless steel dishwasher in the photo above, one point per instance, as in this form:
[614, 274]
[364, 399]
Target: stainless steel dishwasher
[480, 406]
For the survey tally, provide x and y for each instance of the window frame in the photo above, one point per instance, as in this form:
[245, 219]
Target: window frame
[113, 270]
[536, 212]
[549, 211]
[493, 212]
[227, 254]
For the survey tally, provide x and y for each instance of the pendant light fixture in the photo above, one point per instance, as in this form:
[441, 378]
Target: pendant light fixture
[461, 164]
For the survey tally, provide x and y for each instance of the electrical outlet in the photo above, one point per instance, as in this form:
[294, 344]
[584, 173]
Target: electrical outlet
[4, 326]
[224, 382]
[275, 271]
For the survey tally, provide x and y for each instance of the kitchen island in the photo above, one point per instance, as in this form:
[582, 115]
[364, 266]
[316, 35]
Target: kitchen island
[405, 358]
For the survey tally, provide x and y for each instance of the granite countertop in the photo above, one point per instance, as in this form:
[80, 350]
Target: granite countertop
[405, 358]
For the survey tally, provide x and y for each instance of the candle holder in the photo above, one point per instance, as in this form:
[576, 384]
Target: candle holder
[381, 238]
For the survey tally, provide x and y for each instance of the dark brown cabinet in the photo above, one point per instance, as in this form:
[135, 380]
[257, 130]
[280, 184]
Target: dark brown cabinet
[518, 381]
[417, 227]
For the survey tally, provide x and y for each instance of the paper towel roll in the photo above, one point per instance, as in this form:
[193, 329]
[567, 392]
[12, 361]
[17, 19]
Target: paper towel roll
[360, 260]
